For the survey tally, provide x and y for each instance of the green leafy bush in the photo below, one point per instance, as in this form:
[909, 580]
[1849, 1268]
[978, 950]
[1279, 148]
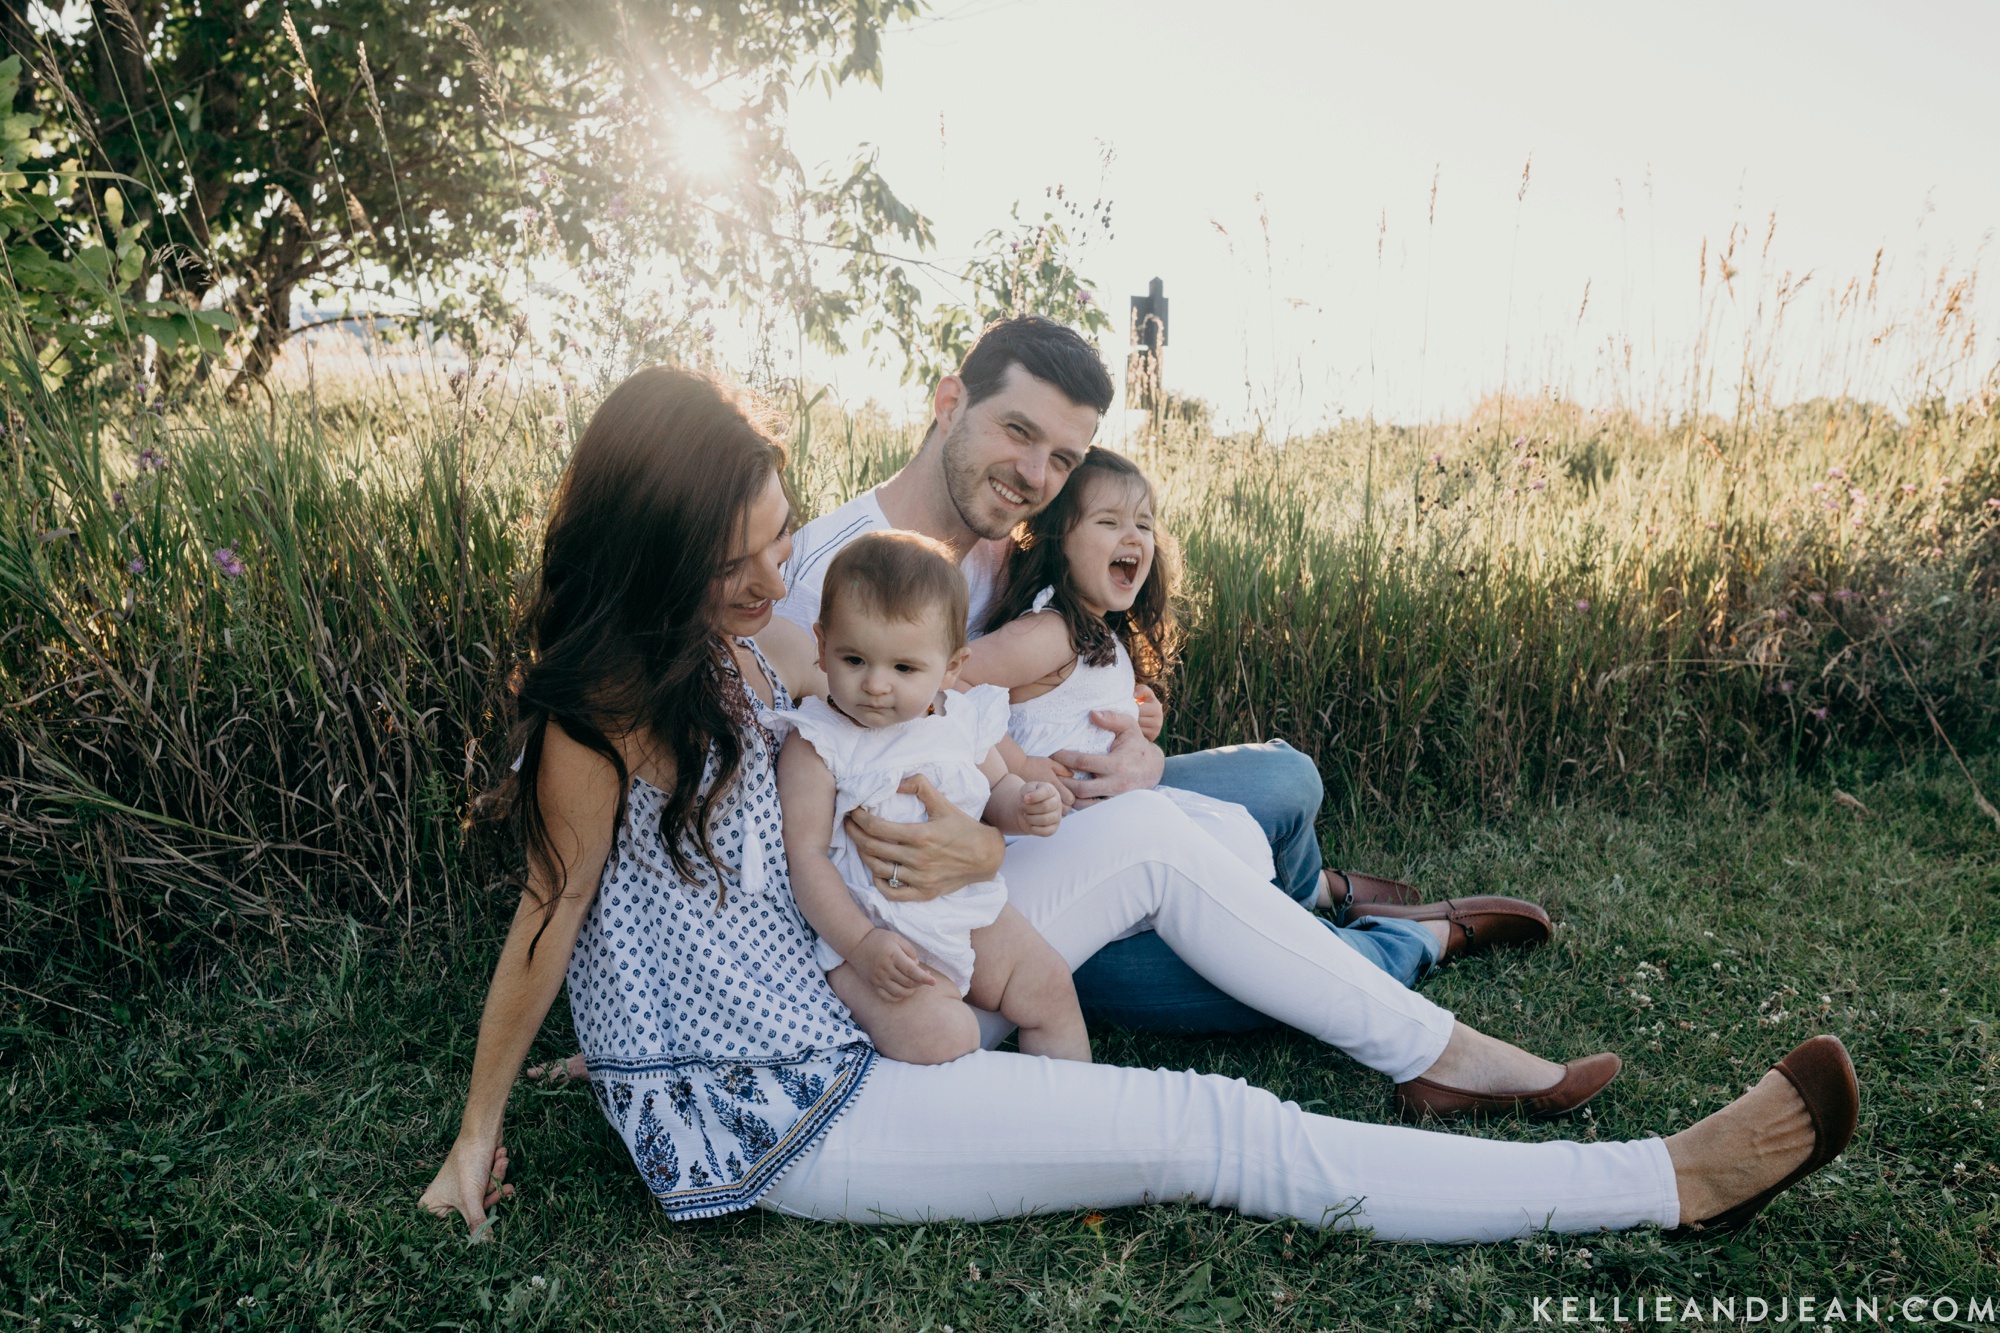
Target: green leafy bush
[73, 264]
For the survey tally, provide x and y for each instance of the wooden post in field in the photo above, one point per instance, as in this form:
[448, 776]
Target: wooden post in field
[1144, 388]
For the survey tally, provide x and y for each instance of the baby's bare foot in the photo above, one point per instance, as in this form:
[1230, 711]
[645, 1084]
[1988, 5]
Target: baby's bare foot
[1741, 1150]
[557, 1073]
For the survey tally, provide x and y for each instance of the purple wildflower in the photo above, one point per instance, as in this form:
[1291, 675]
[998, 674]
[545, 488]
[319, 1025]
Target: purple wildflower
[151, 460]
[1438, 459]
[1787, 686]
[1520, 440]
[227, 561]
[1816, 598]
[1084, 298]
[1819, 486]
[1993, 502]
[1582, 604]
[117, 499]
[1819, 713]
[1541, 484]
[1837, 471]
[136, 565]
[1844, 594]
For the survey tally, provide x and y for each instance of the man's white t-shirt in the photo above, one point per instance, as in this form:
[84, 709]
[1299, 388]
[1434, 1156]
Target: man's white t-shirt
[815, 545]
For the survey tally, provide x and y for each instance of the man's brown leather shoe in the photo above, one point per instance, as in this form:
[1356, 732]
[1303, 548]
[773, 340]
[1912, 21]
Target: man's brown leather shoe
[1821, 1072]
[1482, 922]
[1581, 1080]
[1351, 889]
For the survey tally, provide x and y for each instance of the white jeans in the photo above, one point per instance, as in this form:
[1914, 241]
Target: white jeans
[1137, 861]
[1001, 1135]
[996, 1135]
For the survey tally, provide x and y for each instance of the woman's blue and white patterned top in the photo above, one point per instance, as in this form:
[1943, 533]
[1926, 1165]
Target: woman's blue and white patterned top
[715, 1045]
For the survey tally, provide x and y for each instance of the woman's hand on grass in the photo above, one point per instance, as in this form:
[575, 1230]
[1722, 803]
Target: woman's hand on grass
[931, 859]
[472, 1179]
[890, 964]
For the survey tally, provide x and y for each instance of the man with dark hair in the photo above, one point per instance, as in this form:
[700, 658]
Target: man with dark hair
[1006, 432]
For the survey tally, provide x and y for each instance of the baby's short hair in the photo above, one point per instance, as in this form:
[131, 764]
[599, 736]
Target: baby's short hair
[901, 575]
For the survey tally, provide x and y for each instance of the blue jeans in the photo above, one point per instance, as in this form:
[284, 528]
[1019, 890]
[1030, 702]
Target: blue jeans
[1141, 983]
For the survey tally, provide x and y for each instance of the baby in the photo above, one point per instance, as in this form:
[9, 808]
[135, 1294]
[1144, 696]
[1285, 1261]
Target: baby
[892, 639]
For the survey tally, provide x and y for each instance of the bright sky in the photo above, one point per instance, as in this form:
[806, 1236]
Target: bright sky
[1860, 126]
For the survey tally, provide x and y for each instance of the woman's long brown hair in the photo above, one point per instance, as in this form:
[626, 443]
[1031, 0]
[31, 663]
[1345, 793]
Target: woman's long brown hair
[619, 627]
[1150, 631]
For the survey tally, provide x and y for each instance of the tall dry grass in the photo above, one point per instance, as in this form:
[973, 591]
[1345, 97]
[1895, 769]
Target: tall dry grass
[1464, 615]
[251, 660]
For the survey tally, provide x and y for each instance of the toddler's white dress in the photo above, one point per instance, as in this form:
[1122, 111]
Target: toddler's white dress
[1060, 720]
[868, 764]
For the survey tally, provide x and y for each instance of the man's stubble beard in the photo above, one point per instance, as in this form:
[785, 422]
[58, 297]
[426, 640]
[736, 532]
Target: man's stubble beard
[967, 487]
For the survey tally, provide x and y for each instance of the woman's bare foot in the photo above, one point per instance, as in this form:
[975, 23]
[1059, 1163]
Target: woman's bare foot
[1475, 1062]
[556, 1074]
[1741, 1150]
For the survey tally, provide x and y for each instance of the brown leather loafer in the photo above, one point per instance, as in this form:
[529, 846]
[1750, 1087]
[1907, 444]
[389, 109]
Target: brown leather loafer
[1823, 1075]
[1353, 889]
[1479, 923]
[1581, 1080]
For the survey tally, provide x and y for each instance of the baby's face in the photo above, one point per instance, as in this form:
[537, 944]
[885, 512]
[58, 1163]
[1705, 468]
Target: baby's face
[881, 671]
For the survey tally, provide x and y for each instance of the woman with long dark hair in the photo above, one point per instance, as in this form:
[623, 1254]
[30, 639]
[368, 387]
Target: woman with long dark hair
[646, 803]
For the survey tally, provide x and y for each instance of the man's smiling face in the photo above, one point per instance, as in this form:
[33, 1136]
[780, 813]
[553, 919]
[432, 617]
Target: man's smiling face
[1006, 456]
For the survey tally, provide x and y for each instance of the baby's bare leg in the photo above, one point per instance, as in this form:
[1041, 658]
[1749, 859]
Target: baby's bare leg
[1018, 973]
[931, 1027]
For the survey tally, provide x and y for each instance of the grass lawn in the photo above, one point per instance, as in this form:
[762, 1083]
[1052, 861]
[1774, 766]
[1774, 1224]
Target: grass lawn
[247, 1154]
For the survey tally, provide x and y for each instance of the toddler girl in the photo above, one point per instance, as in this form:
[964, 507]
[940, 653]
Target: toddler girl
[891, 638]
[1086, 617]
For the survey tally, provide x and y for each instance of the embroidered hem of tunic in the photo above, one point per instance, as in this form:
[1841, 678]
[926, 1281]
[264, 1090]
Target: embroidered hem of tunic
[672, 1126]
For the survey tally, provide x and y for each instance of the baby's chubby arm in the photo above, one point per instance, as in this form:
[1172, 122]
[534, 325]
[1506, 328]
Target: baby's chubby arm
[885, 959]
[1016, 656]
[1017, 805]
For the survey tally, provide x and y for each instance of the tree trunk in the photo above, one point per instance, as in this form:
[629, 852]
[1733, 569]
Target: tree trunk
[274, 325]
[278, 266]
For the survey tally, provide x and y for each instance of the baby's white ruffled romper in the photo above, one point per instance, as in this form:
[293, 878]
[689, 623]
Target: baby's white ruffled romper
[868, 764]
